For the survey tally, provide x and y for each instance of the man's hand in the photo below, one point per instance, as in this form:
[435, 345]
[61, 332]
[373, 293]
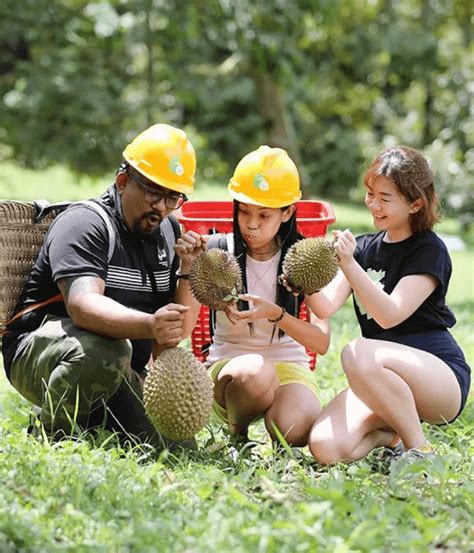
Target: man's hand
[156, 349]
[167, 325]
[188, 246]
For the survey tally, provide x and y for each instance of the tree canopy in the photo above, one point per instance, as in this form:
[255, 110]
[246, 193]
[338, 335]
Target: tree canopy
[330, 81]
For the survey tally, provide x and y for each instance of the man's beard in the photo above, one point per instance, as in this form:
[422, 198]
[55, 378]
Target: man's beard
[143, 232]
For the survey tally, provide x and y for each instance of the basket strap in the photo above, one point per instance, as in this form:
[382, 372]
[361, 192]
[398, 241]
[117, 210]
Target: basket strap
[222, 241]
[170, 238]
[110, 229]
[32, 307]
[43, 208]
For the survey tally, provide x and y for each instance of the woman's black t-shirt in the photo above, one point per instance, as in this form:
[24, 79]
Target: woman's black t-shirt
[388, 262]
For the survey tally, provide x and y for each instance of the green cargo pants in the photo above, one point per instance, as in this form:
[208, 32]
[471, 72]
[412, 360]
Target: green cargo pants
[81, 378]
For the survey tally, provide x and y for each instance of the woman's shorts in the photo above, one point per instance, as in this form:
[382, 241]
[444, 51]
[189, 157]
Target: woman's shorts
[442, 344]
[288, 373]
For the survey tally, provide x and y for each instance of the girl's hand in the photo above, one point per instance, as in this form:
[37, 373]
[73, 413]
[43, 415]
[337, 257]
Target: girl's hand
[345, 245]
[188, 246]
[230, 313]
[262, 309]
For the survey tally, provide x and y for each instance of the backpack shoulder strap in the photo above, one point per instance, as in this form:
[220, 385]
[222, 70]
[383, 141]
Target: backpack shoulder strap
[175, 225]
[44, 208]
[222, 241]
[170, 231]
[103, 215]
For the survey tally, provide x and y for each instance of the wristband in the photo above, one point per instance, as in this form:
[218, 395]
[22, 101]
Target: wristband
[279, 318]
[183, 276]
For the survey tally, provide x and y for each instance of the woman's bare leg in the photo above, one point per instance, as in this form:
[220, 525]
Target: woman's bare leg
[347, 430]
[293, 411]
[401, 385]
[246, 388]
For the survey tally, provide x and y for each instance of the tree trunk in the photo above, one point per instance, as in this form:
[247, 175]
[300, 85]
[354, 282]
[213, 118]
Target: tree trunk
[149, 66]
[427, 20]
[278, 121]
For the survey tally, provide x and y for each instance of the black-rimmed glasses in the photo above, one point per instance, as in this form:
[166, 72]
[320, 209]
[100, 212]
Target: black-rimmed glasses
[154, 194]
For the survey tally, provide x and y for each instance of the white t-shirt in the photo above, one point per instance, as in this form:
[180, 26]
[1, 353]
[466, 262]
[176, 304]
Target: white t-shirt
[231, 340]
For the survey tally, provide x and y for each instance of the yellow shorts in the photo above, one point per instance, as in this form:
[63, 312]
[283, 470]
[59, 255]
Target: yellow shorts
[288, 373]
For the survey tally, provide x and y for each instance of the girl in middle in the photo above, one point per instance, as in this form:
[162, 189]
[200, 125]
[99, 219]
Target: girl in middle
[257, 359]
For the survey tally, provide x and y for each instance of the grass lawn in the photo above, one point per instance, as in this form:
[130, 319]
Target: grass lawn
[91, 495]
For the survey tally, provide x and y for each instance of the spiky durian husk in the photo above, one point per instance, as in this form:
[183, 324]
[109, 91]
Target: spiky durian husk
[310, 264]
[215, 278]
[177, 394]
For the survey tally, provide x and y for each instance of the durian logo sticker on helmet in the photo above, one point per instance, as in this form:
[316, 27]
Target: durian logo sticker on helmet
[175, 166]
[260, 183]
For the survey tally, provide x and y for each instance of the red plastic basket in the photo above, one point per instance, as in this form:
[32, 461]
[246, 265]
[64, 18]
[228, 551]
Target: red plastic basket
[209, 217]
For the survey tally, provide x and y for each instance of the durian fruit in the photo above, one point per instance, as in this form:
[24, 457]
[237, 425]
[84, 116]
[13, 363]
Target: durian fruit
[215, 278]
[310, 264]
[178, 394]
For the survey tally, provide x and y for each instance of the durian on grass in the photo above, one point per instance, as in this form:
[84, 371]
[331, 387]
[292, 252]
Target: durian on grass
[216, 279]
[178, 394]
[310, 264]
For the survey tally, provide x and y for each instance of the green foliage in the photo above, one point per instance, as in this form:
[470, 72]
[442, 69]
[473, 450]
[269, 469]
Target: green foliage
[63, 97]
[91, 495]
[332, 82]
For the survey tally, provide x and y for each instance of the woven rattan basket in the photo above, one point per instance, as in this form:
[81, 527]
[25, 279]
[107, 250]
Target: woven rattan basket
[20, 241]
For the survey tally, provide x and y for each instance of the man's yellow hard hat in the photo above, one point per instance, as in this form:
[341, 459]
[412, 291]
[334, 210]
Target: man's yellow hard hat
[165, 156]
[266, 177]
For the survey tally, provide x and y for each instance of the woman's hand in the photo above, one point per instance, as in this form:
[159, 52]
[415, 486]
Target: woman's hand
[345, 245]
[188, 246]
[262, 309]
[284, 281]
